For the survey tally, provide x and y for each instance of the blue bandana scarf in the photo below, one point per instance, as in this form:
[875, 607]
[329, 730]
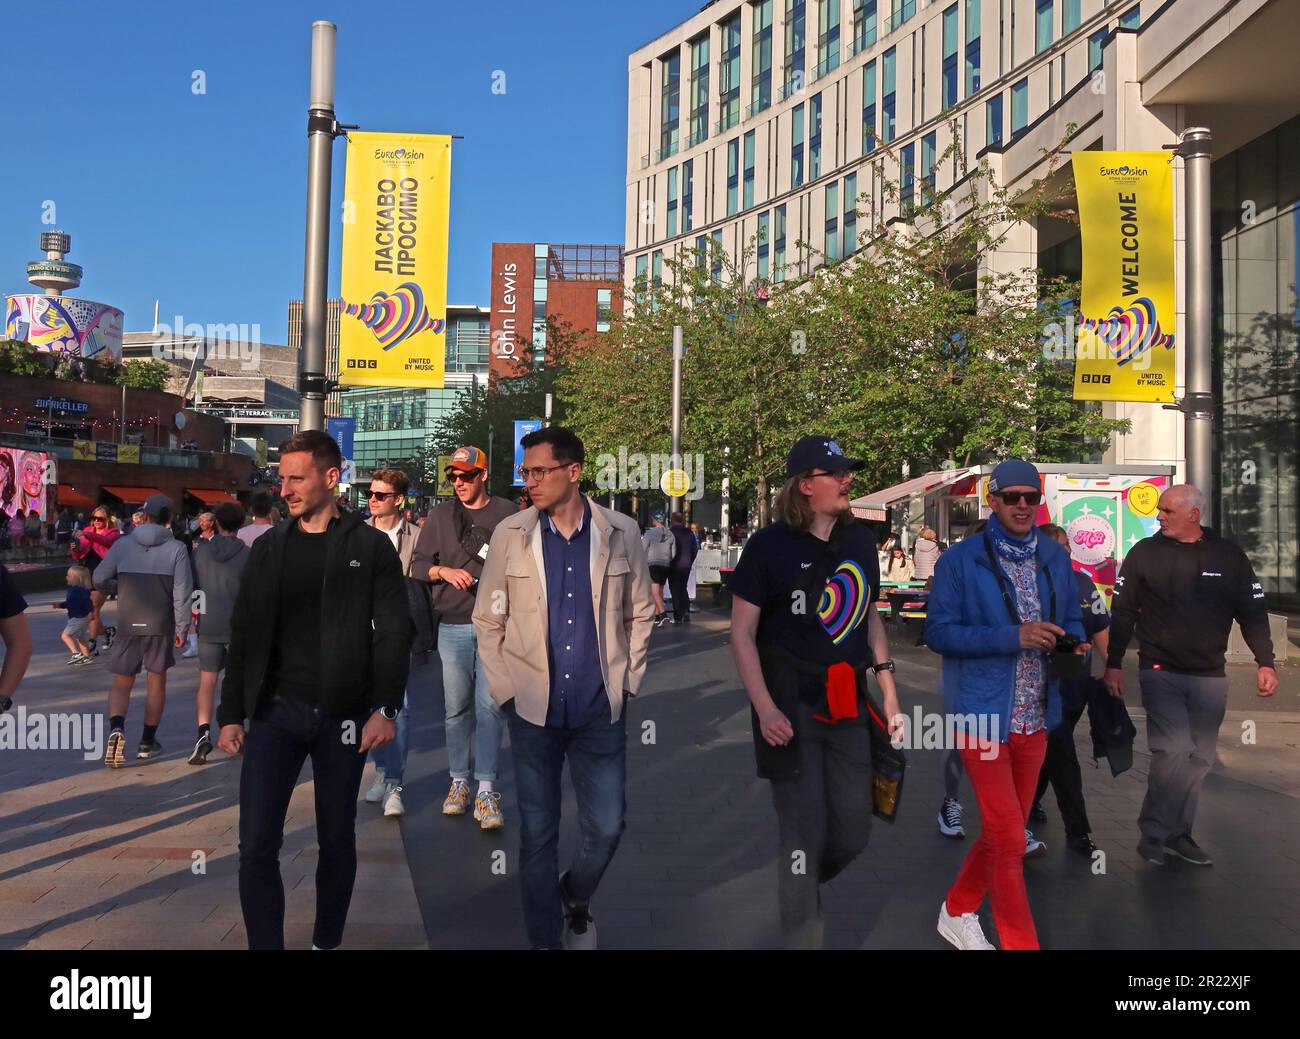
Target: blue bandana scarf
[1010, 547]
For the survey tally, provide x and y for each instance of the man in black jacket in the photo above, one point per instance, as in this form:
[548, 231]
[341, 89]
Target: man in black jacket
[319, 653]
[1181, 589]
[679, 569]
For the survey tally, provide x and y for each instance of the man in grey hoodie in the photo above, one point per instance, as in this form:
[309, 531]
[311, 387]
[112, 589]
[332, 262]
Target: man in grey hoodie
[154, 585]
[218, 566]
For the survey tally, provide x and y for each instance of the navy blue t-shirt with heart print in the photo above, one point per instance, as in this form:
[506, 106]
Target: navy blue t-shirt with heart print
[815, 595]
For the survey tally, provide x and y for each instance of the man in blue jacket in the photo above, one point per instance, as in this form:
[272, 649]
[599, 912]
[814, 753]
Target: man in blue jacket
[1002, 607]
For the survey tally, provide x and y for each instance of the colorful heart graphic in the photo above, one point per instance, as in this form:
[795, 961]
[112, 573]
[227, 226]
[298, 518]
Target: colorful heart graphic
[396, 316]
[1130, 333]
[844, 601]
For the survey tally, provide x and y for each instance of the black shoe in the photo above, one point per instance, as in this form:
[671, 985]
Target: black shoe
[1082, 843]
[202, 748]
[1152, 850]
[1037, 814]
[148, 749]
[686, 619]
[1188, 850]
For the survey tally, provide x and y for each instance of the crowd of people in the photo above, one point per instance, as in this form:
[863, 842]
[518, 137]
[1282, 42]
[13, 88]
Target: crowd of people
[307, 630]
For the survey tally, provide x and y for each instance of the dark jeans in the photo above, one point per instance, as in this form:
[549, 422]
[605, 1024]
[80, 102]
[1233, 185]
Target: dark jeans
[1061, 769]
[677, 580]
[597, 754]
[282, 736]
[824, 819]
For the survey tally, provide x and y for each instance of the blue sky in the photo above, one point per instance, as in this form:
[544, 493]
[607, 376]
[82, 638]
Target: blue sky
[198, 200]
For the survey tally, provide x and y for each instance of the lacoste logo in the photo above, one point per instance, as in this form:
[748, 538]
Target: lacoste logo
[354, 562]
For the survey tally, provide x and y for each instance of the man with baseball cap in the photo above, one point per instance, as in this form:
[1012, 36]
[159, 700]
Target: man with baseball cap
[154, 586]
[1002, 611]
[449, 555]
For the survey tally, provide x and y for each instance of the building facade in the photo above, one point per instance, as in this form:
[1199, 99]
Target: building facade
[757, 124]
[581, 285]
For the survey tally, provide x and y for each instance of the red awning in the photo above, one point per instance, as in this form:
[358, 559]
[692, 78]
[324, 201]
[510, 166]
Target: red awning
[132, 495]
[211, 497]
[69, 495]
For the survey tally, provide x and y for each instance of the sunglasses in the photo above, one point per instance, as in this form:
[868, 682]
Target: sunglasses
[469, 477]
[1016, 497]
[381, 495]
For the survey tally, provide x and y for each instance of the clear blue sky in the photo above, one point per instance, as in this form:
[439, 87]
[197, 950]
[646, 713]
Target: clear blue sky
[199, 200]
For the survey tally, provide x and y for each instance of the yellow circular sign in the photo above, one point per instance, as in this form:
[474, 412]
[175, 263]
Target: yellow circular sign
[1142, 498]
[675, 483]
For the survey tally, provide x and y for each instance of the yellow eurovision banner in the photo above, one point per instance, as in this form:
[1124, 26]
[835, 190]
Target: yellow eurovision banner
[128, 453]
[445, 489]
[1124, 341]
[83, 450]
[397, 195]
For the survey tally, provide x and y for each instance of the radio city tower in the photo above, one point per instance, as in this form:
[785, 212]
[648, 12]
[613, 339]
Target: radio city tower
[54, 274]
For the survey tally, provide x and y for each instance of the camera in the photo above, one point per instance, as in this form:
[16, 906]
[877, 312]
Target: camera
[1067, 643]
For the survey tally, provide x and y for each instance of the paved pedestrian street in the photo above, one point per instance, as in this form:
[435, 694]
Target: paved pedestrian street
[146, 857]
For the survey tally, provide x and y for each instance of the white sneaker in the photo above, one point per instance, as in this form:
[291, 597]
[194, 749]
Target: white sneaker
[393, 801]
[962, 931]
[376, 793]
[1034, 848]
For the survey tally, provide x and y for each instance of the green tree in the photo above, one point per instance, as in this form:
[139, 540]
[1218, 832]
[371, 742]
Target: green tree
[143, 375]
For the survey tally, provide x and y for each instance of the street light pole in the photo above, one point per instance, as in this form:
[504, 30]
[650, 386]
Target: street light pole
[676, 461]
[321, 128]
[1198, 399]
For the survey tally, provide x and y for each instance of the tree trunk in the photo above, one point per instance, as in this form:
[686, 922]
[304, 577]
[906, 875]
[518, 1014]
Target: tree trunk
[763, 506]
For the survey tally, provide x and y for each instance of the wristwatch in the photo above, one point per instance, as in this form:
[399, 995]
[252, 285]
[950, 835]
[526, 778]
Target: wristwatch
[887, 665]
[388, 713]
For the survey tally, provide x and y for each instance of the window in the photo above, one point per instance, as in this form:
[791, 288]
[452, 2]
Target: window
[670, 104]
[604, 302]
[868, 107]
[1070, 16]
[815, 138]
[907, 162]
[747, 199]
[1019, 107]
[903, 10]
[949, 57]
[1131, 19]
[831, 245]
[639, 285]
[672, 203]
[850, 214]
[718, 254]
[889, 74]
[828, 37]
[994, 109]
[1043, 13]
[778, 245]
[729, 71]
[928, 146]
[864, 25]
[796, 146]
[733, 175]
[972, 47]
[763, 246]
[762, 57]
[699, 90]
[657, 267]
[701, 251]
[688, 186]
[795, 57]
[1096, 43]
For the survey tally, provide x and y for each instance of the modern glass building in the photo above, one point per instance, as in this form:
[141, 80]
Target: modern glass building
[836, 96]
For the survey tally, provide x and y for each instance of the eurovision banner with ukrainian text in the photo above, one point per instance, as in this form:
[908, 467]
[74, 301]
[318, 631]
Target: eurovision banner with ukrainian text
[1124, 343]
[397, 196]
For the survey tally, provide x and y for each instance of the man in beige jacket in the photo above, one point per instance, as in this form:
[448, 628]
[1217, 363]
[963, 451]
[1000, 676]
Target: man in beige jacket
[563, 618]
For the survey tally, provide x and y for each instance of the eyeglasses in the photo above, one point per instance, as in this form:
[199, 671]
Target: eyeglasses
[381, 495]
[1016, 497]
[100, 519]
[539, 473]
[468, 477]
[846, 475]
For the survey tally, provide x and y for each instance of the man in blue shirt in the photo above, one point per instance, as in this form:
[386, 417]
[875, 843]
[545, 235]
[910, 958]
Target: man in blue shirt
[563, 617]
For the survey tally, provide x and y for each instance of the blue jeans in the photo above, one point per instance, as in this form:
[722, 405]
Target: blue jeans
[391, 757]
[284, 733]
[463, 684]
[597, 754]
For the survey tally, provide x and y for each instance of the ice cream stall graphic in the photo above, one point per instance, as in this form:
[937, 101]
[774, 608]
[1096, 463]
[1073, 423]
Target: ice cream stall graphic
[1105, 510]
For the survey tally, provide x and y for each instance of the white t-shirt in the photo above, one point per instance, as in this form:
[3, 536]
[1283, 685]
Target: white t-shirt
[252, 532]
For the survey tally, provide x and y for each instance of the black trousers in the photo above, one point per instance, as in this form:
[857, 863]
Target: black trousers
[284, 733]
[1061, 769]
[677, 579]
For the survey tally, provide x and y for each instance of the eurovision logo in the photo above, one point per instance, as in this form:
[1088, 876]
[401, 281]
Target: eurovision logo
[1128, 332]
[396, 316]
[844, 601]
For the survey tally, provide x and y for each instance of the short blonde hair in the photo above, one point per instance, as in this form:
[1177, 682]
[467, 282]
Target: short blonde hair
[81, 576]
[930, 533]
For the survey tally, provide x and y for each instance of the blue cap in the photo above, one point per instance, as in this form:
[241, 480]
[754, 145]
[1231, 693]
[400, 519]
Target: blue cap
[814, 452]
[1013, 473]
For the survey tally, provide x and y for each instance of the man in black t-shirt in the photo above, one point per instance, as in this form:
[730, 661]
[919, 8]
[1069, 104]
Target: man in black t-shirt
[17, 637]
[803, 631]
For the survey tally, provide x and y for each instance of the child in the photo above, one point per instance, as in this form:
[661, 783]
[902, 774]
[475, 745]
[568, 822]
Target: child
[77, 603]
